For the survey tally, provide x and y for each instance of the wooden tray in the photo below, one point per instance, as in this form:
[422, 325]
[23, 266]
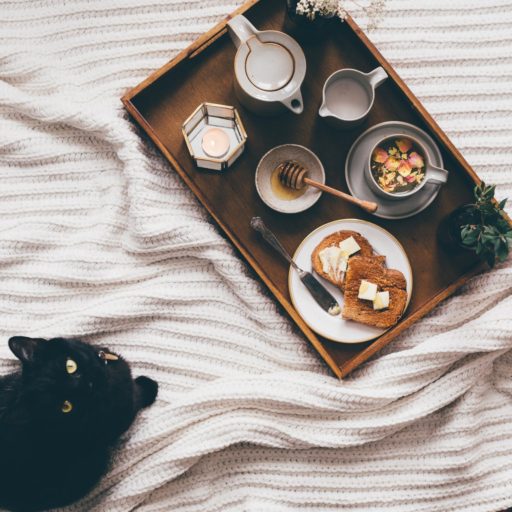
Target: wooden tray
[204, 72]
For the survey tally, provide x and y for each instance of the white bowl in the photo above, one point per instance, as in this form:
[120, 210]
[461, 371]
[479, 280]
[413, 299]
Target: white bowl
[281, 154]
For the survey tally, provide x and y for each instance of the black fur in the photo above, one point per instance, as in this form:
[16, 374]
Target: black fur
[49, 458]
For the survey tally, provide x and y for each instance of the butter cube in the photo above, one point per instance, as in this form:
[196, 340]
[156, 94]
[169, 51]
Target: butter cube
[367, 290]
[349, 245]
[381, 300]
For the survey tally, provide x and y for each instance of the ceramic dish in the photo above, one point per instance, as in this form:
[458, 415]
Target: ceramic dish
[348, 96]
[271, 160]
[270, 67]
[336, 328]
[433, 175]
[357, 161]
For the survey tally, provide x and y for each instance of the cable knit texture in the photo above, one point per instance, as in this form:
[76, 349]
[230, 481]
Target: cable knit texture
[100, 239]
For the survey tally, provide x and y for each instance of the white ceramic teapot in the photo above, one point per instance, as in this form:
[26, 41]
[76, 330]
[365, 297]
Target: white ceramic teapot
[270, 67]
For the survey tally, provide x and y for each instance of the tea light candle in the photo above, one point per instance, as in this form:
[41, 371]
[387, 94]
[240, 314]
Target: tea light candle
[215, 142]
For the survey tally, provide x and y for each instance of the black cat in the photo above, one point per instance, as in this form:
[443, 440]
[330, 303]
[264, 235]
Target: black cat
[60, 417]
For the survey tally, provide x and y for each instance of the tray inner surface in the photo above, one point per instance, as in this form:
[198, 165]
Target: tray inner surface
[208, 76]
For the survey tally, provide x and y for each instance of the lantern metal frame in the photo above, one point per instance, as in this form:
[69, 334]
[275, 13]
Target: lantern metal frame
[215, 115]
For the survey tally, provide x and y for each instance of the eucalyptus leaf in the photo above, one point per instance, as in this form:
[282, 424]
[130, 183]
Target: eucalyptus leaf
[491, 230]
[488, 238]
[502, 225]
[502, 251]
[470, 237]
[465, 231]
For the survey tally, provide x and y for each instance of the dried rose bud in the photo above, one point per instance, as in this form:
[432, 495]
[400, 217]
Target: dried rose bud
[416, 160]
[379, 155]
[392, 164]
[404, 168]
[404, 145]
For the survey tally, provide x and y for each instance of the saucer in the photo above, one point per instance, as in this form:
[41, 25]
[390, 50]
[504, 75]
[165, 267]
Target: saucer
[271, 160]
[357, 160]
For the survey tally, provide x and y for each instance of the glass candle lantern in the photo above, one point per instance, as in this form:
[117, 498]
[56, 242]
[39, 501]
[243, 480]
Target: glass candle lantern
[215, 136]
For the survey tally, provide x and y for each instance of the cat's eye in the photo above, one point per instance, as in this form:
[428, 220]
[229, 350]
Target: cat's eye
[71, 366]
[67, 406]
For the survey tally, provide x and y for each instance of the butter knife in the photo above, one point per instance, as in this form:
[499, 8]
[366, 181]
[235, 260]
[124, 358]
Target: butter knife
[321, 295]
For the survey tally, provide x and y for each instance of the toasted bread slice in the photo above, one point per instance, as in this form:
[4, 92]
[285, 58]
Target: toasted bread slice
[390, 280]
[334, 240]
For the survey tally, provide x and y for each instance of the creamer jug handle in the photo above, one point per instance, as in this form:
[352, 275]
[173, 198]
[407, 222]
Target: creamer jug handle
[240, 29]
[376, 77]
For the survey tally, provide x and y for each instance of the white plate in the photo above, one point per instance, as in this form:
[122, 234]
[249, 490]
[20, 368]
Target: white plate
[328, 326]
[357, 159]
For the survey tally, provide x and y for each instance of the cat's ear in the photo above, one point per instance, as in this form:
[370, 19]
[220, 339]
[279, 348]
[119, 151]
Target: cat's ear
[23, 348]
[146, 390]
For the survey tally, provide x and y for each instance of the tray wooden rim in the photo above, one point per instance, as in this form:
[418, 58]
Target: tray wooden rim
[438, 134]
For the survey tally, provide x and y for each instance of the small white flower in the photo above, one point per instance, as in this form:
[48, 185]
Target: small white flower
[339, 8]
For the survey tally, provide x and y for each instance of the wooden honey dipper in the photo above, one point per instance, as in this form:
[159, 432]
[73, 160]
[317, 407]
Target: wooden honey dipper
[293, 175]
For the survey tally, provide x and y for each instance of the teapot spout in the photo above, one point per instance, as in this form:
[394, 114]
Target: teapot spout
[295, 103]
[241, 29]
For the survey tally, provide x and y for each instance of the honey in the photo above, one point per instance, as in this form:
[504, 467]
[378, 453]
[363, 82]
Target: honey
[282, 192]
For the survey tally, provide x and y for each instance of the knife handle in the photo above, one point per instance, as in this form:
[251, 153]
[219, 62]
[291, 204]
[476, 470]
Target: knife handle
[258, 225]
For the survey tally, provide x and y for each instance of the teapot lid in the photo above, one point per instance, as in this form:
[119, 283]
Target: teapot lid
[269, 66]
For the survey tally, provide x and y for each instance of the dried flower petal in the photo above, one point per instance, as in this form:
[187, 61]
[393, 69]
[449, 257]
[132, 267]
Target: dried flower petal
[379, 155]
[404, 145]
[389, 178]
[416, 160]
[392, 164]
[404, 168]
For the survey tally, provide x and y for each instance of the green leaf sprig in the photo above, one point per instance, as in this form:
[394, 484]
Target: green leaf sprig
[491, 234]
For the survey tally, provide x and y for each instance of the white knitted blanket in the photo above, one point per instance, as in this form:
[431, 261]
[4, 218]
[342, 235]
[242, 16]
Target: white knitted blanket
[100, 239]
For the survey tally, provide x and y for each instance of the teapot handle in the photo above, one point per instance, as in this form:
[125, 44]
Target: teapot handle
[295, 103]
[240, 29]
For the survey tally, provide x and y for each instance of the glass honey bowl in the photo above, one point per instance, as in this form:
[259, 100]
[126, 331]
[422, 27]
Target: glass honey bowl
[215, 136]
